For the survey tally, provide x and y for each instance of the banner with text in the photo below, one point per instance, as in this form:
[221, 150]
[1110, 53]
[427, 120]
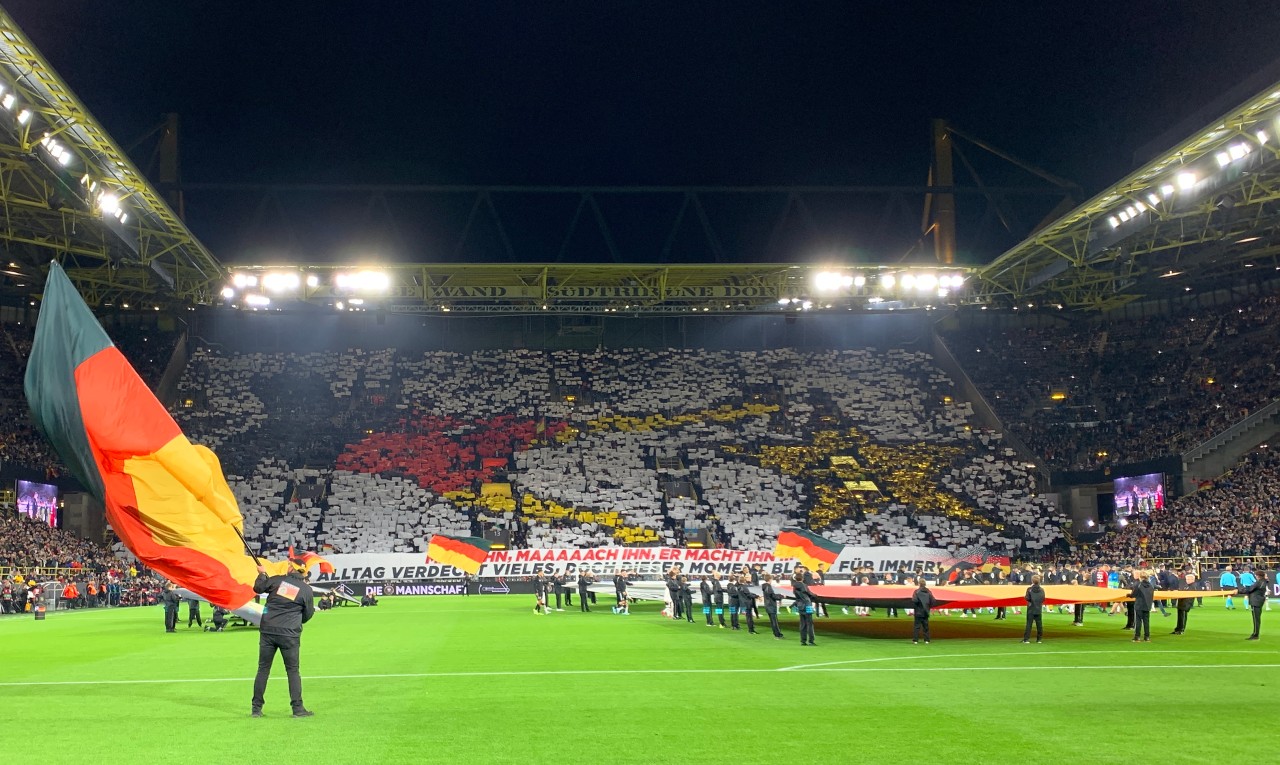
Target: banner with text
[604, 561]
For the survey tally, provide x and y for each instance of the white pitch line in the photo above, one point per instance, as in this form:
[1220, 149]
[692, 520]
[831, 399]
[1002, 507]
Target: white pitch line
[799, 667]
[572, 672]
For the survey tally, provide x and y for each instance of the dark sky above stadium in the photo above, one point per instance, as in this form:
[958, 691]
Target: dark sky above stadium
[605, 92]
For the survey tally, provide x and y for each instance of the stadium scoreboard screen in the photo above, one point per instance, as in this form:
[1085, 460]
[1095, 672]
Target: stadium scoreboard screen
[38, 501]
[1139, 494]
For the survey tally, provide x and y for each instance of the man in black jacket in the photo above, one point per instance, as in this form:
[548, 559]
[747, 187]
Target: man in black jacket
[557, 586]
[922, 601]
[1035, 610]
[289, 606]
[686, 598]
[717, 592]
[584, 582]
[1257, 594]
[771, 599]
[171, 601]
[1144, 596]
[1183, 605]
[804, 604]
[704, 587]
[734, 605]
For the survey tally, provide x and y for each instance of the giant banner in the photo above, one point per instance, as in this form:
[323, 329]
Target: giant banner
[604, 561]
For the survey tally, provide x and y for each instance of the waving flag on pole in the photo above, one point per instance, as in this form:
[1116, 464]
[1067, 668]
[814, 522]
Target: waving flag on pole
[809, 549]
[463, 553]
[165, 497]
[309, 559]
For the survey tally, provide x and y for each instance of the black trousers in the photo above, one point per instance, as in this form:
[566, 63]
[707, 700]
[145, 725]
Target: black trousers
[1079, 613]
[568, 596]
[582, 598]
[1000, 613]
[466, 588]
[773, 623]
[706, 610]
[677, 606]
[1182, 621]
[806, 626]
[170, 619]
[1141, 624]
[921, 626]
[194, 616]
[686, 605]
[1038, 621]
[720, 613]
[733, 616]
[288, 648]
[558, 594]
[1257, 619]
[751, 621]
[1128, 616]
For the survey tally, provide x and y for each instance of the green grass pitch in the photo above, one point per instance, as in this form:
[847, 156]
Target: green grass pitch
[483, 680]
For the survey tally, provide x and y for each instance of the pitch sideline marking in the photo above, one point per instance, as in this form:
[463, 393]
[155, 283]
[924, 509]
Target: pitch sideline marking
[570, 672]
[800, 667]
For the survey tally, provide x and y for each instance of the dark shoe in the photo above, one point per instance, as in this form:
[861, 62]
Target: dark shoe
[303, 713]
[256, 713]
[1252, 637]
[1146, 640]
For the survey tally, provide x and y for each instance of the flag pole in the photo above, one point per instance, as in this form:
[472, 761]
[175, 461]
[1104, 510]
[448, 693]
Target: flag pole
[248, 551]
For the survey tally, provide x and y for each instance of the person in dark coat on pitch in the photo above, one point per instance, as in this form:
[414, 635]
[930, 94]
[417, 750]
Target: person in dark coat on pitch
[771, 598]
[290, 604]
[1144, 596]
[1035, 610]
[734, 601]
[717, 592]
[922, 601]
[584, 581]
[171, 601]
[804, 604]
[747, 602]
[705, 588]
[1183, 605]
[193, 613]
[686, 598]
[1257, 595]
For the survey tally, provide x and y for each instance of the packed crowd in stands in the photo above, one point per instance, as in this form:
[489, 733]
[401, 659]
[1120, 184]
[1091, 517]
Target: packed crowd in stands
[375, 451]
[1133, 389]
[21, 444]
[88, 575]
[1238, 515]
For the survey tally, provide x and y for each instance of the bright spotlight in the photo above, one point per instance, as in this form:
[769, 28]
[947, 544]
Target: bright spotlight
[826, 281]
[1153, 199]
[8, 101]
[1166, 190]
[109, 203]
[257, 301]
[281, 281]
[313, 280]
[24, 116]
[228, 293]
[239, 280]
[846, 281]
[1262, 137]
[888, 281]
[363, 281]
[339, 305]
[1223, 158]
[1238, 150]
[1187, 181]
[926, 282]
[908, 281]
[859, 281]
[784, 301]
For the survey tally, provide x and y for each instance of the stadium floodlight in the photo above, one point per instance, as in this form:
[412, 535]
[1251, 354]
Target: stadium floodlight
[1166, 190]
[356, 301]
[8, 101]
[859, 281]
[1123, 215]
[124, 218]
[1224, 158]
[1239, 150]
[24, 116]
[806, 305]
[826, 281]
[846, 281]
[943, 292]
[1262, 137]
[228, 293]
[108, 203]
[339, 305]
[926, 282]
[781, 301]
[1139, 206]
[257, 301]
[1187, 181]
[281, 281]
[908, 281]
[313, 280]
[1153, 199]
[239, 280]
[888, 281]
[1114, 221]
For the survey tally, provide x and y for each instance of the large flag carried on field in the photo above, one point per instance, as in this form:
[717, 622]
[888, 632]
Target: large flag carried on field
[165, 497]
[465, 553]
[309, 559]
[807, 548]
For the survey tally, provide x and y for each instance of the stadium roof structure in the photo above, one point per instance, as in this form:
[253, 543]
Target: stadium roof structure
[1202, 215]
[69, 193]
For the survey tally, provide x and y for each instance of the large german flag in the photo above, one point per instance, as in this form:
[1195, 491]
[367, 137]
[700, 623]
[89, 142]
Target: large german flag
[809, 549]
[165, 497]
[309, 559]
[465, 553]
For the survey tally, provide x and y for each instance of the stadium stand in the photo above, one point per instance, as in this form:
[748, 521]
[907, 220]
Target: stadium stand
[1132, 390]
[375, 451]
[1238, 515]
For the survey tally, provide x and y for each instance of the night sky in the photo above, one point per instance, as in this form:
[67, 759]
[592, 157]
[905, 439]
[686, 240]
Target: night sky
[605, 92]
